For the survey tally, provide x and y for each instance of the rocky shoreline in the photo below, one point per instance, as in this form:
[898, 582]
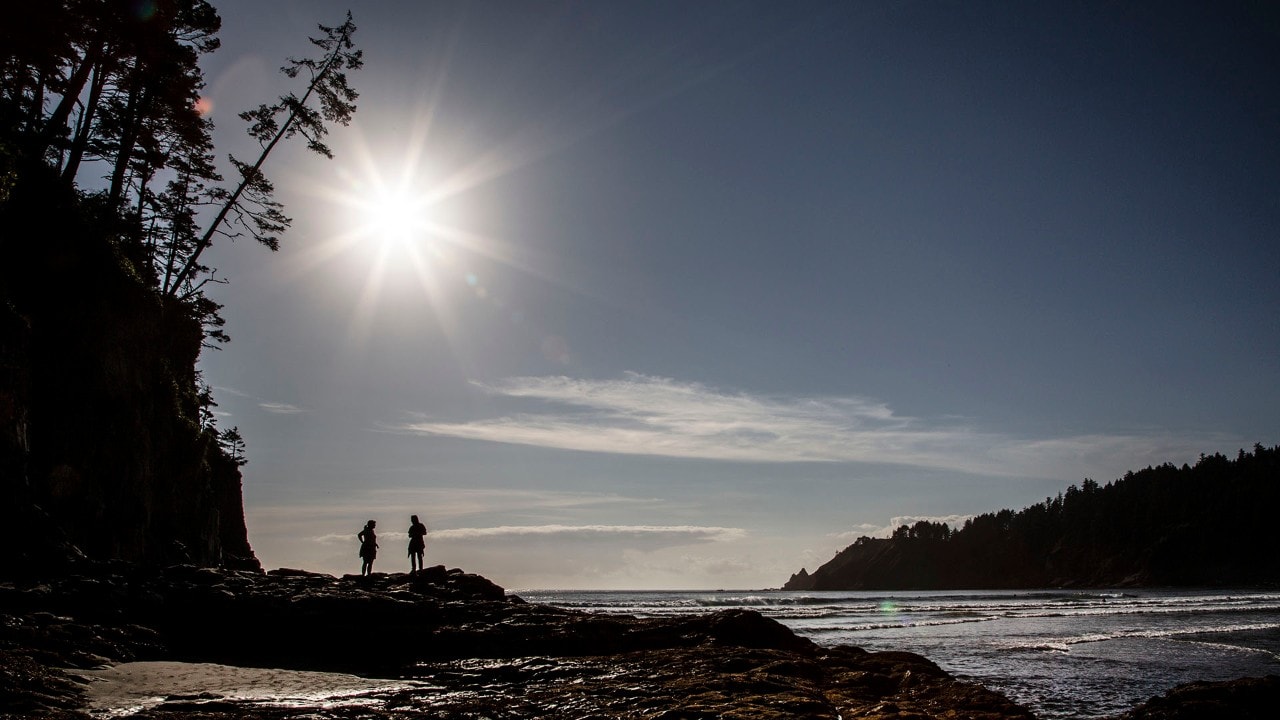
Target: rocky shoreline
[471, 651]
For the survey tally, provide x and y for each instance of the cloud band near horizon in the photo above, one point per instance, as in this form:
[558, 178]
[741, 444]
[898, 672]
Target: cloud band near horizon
[645, 415]
[684, 533]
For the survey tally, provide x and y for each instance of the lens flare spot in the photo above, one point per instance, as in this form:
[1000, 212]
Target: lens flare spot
[555, 349]
[204, 106]
[144, 10]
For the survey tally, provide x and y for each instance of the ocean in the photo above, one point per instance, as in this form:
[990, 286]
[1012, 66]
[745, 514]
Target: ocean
[1063, 653]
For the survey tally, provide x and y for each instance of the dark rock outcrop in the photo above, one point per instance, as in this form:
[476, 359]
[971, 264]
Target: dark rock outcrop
[799, 581]
[467, 650]
[1243, 699]
[477, 652]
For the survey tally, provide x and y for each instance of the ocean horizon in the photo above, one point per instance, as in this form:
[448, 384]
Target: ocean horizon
[1077, 653]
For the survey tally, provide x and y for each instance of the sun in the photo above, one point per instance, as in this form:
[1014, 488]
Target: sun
[395, 218]
[385, 219]
[394, 235]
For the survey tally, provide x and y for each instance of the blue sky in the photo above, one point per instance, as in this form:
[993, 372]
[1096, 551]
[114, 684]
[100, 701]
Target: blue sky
[690, 295]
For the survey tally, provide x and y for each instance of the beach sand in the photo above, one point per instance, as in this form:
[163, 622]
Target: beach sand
[129, 687]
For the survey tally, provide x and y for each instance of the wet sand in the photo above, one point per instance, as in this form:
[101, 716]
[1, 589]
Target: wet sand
[130, 687]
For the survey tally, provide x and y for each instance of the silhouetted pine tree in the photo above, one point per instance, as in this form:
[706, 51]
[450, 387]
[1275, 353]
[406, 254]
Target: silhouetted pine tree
[114, 85]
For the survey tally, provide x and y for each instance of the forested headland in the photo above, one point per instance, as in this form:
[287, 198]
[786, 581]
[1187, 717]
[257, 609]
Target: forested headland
[1208, 524]
[110, 196]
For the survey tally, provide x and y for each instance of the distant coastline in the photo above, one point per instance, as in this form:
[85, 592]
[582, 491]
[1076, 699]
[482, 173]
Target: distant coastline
[1203, 525]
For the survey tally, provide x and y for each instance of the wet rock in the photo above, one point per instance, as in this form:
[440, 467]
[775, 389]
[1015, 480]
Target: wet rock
[1243, 699]
[291, 572]
[474, 652]
[28, 685]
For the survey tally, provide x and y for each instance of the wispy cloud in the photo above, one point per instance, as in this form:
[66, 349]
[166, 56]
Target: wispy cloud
[690, 533]
[870, 530]
[461, 500]
[644, 415]
[444, 505]
[231, 391]
[861, 529]
[331, 538]
[668, 533]
[280, 408]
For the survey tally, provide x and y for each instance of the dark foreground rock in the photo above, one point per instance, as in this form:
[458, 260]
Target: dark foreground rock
[706, 681]
[1243, 699]
[467, 650]
[475, 652]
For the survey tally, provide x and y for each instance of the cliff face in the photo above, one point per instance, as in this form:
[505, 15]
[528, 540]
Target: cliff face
[101, 450]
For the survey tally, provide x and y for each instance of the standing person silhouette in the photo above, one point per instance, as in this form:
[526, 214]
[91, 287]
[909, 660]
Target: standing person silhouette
[368, 547]
[417, 543]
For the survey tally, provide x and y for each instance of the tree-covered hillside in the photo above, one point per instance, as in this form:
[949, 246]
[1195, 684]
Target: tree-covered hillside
[109, 196]
[1207, 524]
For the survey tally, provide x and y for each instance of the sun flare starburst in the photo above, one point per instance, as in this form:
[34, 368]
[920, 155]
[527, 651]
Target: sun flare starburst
[396, 237]
[395, 217]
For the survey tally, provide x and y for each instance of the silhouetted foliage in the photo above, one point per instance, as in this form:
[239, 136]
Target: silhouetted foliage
[249, 206]
[1207, 524]
[115, 85]
[109, 194]
[233, 443]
